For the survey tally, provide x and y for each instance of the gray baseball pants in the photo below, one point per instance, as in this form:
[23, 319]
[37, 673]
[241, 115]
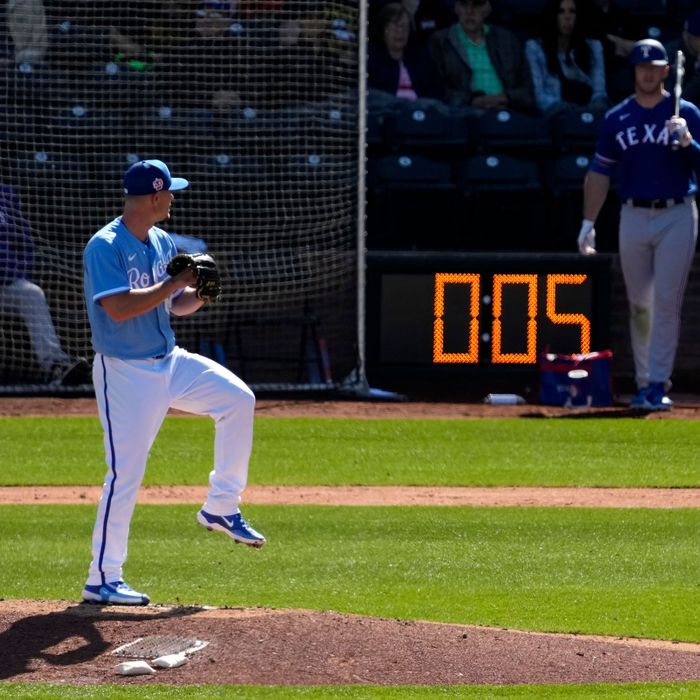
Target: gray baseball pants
[656, 253]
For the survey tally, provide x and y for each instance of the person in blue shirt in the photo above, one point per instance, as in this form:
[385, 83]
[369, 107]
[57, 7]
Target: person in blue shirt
[656, 156]
[139, 372]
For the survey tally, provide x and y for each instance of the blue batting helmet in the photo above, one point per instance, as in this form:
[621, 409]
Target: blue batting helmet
[649, 51]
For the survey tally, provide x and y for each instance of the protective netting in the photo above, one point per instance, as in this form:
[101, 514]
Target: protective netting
[256, 103]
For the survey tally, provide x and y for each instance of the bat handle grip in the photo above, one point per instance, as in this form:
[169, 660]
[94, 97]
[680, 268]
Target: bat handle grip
[675, 143]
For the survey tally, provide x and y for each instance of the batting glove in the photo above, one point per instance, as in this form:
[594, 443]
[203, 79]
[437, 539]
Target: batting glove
[586, 238]
[678, 129]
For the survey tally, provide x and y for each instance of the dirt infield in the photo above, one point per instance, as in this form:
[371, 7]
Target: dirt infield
[380, 496]
[687, 407]
[65, 642]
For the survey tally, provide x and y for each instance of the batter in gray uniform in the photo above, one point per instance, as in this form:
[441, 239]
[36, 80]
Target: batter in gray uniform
[656, 155]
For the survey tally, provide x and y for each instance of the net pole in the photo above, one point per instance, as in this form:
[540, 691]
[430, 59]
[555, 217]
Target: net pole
[361, 195]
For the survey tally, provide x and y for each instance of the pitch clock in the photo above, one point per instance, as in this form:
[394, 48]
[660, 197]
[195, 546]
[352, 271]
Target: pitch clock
[457, 312]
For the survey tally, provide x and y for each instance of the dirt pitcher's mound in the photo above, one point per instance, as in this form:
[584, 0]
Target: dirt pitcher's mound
[71, 643]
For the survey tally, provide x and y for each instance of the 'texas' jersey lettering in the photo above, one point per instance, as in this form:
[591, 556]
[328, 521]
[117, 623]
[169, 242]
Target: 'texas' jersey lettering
[643, 133]
[634, 141]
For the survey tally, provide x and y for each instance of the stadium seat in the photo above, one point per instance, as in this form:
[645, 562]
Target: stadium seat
[567, 173]
[168, 129]
[246, 130]
[53, 185]
[326, 126]
[505, 131]
[376, 119]
[33, 85]
[576, 131]
[19, 127]
[110, 85]
[428, 127]
[221, 184]
[411, 203]
[489, 172]
[410, 172]
[502, 203]
[564, 177]
[77, 126]
[311, 181]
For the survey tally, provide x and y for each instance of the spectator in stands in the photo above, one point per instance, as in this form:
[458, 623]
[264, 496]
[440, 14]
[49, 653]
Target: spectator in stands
[406, 73]
[26, 23]
[140, 32]
[689, 44]
[568, 70]
[617, 29]
[26, 299]
[319, 42]
[482, 65]
[427, 17]
[206, 71]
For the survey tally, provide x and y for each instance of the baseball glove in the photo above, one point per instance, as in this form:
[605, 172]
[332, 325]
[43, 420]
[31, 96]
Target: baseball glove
[204, 267]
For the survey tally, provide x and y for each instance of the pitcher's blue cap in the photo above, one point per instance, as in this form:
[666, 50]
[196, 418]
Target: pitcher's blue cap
[151, 176]
[649, 51]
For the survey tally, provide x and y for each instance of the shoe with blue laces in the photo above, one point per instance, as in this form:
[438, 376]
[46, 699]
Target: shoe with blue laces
[115, 593]
[234, 526]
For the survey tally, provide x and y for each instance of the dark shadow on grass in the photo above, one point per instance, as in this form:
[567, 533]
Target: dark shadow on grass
[44, 637]
[592, 413]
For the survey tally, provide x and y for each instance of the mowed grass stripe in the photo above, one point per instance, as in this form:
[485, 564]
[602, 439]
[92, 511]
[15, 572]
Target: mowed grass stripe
[599, 571]
[624, 691]
[489, 452]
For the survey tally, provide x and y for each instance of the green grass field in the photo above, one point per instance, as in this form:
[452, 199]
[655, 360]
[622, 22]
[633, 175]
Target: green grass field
[627, 691]
[498, 452]
[627, 572]
[619, 572]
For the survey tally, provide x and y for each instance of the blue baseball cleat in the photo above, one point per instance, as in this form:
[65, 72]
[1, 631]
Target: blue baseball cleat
[115, 593]
[652, 398]
[234, 526]
[640, 398]
[656, 399]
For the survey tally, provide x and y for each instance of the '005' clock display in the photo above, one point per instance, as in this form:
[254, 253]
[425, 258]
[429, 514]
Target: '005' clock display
[482, 316]
[512, 340]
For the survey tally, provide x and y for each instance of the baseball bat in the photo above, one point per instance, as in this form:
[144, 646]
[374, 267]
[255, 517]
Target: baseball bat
[677, 89]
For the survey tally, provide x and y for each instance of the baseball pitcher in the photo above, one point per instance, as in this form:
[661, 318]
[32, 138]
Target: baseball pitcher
[134, 281]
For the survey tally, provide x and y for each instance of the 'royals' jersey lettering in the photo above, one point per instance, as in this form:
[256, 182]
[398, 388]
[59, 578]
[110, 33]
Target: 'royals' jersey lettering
[116, 261]
[636, 139]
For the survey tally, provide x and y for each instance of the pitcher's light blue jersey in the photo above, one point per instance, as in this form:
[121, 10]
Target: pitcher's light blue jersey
[636, 139]
[116, 261]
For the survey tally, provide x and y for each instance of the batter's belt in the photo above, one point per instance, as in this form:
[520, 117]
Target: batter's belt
[654, 203]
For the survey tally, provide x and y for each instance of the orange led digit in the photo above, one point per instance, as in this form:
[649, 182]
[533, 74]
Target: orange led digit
[439, 354]
[568, 319]
[530, 356]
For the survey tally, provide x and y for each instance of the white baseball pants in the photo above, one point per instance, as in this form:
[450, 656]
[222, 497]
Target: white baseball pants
[656, 254]
[133, 398]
